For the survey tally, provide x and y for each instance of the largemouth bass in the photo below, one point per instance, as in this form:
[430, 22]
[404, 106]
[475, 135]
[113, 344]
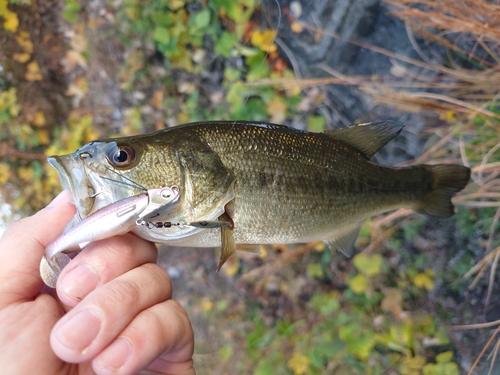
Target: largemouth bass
[272, 183]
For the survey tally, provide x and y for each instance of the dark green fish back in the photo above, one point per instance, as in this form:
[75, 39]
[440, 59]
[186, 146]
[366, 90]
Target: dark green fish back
[297, 186]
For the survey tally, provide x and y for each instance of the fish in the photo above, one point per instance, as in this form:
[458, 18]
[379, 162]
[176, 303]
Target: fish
[268, 184]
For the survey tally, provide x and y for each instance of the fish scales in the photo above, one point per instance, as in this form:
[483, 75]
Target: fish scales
[297, 186]
[277, 184]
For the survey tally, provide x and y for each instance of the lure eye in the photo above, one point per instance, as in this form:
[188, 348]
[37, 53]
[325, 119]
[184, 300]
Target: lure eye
[121, 156]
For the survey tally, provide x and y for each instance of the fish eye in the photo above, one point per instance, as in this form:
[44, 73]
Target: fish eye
[121, 156]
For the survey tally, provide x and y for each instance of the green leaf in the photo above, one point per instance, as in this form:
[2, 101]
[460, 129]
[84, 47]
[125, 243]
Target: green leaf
[163, 19]
[326, 304]
[449, 368]
[444, 357]
[358, 284]
[314, 270]
[369, 266]
[316, 123]
[225, 43]
[200, 20]
[232, 74]
[161, 35]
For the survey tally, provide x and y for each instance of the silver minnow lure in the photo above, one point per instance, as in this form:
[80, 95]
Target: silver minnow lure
[115, 219]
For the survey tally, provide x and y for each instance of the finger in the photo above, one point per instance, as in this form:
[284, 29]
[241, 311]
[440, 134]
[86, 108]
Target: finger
[96, 321]
[22, 247]
[101, 262]
[162, 330]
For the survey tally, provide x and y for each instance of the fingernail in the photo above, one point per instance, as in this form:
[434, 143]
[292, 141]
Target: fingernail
[61, 197]
[79, 332]
[79, 282]
[115, 355]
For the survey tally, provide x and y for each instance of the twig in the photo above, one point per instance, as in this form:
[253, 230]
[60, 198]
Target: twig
[483, 351]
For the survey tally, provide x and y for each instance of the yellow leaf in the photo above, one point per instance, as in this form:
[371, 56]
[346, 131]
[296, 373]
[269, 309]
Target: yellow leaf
[4, 173]
[299, 363]
[33, 72]
[277, 109]
[422, 280]
[206, 304]
[3, 7]
[370, 266]
[39, 119]
[23, 39]
[232, 266]
[320, 247]
[358, 284]
[264, 40]
[415, 363]
[91, 135]
[175, 4]
[183, 117]
[296, 27]
[11, 21]
[21, 57]
[25, 173]
[43, 136]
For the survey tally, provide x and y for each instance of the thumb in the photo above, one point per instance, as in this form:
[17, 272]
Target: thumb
[22, 247]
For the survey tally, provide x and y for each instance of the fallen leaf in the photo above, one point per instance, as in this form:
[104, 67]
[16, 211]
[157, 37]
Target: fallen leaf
[43, 136]
[21, 57]
[423, 280]
[11, 21]
[277, 109]
[157, 99]
[39, 119]
[392, 301]
[23, 39]
[206, 305]
[299, 363]
[33, 72]
[79, 43]
[358, 284]
[4, 173]
[370, 266]
[72, 60]
[232, 266]
[25, 173]
[296, 27]
[264, 40]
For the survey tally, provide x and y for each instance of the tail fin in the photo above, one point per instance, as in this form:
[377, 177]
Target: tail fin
[446, 181]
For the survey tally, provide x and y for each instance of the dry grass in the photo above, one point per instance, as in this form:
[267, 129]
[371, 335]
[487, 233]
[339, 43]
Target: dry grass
[459, 94]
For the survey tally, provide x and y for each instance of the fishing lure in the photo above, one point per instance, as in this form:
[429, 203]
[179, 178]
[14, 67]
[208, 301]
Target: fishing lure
[115, 219]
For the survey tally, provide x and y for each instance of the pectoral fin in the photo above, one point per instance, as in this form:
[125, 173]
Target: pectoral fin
[344, 242]
[228, 246]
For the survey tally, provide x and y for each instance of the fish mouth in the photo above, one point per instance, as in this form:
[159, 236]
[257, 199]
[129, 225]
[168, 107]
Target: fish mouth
[74, 178]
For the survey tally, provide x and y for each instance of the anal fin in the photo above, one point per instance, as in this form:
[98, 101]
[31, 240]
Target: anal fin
[344, 242]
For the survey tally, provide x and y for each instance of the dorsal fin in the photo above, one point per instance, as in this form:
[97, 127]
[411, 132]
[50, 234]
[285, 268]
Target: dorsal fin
[367, 138]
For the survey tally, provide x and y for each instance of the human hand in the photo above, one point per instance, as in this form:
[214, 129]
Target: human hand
[113, 312]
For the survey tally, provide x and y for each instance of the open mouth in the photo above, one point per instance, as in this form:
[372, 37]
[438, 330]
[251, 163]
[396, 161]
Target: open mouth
[74, 178]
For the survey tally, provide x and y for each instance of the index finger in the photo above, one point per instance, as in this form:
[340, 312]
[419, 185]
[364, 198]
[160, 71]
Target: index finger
[22, 247]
